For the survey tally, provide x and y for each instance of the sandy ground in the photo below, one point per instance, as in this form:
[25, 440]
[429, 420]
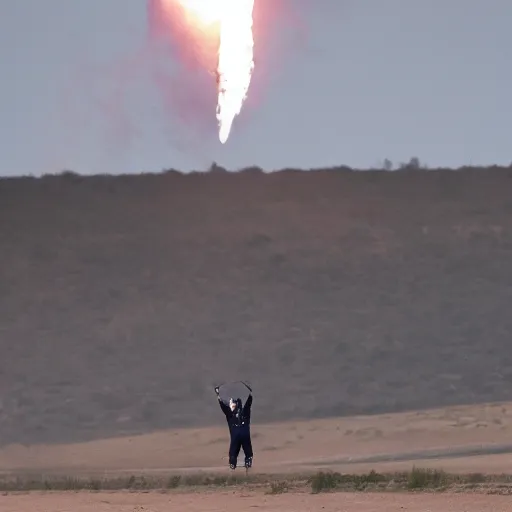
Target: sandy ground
[238, 501]
[460, 439]
[469, 438]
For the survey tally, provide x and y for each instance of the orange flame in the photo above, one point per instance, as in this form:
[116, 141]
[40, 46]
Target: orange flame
[229, 23]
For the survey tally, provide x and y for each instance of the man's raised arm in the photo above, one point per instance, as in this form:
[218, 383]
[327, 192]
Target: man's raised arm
[223, 406]
[247, 406]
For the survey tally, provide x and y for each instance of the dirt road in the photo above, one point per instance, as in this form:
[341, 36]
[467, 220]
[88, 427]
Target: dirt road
[237, 501]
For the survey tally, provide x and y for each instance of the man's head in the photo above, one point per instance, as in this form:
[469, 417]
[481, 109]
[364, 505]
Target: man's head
[234, 403]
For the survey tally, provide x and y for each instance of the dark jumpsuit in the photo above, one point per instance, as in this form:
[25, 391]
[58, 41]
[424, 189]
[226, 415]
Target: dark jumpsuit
[239, 423]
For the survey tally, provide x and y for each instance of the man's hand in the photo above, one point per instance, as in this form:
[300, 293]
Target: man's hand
[217, 390]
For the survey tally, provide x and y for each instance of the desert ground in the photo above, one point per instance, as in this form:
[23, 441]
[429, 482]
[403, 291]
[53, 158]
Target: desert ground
[466, 439]
[461, 439]
[240, 500]
[369, 310]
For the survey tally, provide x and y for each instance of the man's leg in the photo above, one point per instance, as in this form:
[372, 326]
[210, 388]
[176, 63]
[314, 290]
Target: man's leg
[234, 450]
[247, 447]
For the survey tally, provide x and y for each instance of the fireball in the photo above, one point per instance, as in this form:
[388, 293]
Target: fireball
[226, 26]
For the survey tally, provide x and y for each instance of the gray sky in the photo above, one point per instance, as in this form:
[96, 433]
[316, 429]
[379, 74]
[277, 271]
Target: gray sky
[374, 79]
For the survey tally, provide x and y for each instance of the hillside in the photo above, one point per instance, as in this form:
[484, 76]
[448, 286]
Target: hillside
[124, 299]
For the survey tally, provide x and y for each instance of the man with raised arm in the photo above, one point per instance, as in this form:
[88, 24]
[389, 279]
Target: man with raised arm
[238, 417]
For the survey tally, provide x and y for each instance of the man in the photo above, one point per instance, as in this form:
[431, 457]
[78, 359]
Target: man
[238, 417]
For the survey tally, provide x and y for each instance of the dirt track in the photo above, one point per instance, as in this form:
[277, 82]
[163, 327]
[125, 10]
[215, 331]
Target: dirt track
[239, 501]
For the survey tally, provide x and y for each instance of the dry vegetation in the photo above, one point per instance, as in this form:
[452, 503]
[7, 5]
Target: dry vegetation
[418, 479]
[124, 299]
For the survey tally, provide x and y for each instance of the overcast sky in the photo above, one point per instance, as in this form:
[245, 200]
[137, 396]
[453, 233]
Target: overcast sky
[353, 82]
